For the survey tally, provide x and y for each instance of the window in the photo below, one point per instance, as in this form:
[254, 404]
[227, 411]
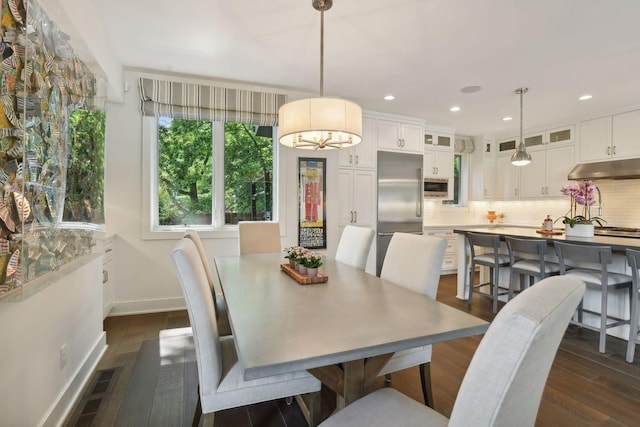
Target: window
[211, 174]
[457, 167]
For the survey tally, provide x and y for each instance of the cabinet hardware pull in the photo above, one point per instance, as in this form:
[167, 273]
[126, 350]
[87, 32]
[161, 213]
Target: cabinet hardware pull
[608, 151]
[350, 159]
[420, 195]
[355, 213]
[351, 212]
[357, 159]
[614, 150]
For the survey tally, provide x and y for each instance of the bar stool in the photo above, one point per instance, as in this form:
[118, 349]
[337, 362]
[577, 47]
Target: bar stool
[524, 266]
[600, 279]
[633, 256]
[491, 258]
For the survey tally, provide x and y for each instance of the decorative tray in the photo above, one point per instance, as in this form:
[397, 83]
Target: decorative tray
[549, 232]
[303, 279]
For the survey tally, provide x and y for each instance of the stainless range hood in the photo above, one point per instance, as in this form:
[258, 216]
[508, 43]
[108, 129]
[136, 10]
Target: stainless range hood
[611, 169]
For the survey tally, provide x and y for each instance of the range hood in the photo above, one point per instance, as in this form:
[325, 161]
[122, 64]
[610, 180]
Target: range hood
[611, 169]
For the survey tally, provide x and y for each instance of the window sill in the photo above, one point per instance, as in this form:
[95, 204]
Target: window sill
[226, 232]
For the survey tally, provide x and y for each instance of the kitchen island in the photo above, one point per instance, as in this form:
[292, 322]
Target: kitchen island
[618, 300]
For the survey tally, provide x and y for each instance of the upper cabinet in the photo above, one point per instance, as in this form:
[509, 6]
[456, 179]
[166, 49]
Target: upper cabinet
[611, 137]
[362, 155]
[438, 154]
[400, 136]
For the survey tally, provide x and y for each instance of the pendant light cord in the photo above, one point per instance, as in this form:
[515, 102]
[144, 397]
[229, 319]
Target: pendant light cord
[322, 52]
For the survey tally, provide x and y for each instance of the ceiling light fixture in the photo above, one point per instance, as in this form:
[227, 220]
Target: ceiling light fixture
[389, 97]
[319, 123]
[506, 119]
[454, 108]
[585, 97]
[521, 157]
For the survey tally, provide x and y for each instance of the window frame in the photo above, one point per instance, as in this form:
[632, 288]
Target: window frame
[151, 230]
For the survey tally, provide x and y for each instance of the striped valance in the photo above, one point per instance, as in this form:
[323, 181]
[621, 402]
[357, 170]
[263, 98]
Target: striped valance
[193, 101]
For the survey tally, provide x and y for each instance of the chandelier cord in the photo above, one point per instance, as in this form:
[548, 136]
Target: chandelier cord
[322, 52]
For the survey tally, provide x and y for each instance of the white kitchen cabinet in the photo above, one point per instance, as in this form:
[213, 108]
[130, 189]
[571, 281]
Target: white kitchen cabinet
[507, 178]
[438, 164]
[611, 137]
[362, 155]
[450, 261]
[400, 136]
[489, 177]
[357, 197]
[560, 161]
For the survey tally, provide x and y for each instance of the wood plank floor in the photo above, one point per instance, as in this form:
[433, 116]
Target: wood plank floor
[136, 386]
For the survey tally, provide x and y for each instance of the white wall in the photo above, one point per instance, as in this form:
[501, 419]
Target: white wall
[144, 280]
[35, 389]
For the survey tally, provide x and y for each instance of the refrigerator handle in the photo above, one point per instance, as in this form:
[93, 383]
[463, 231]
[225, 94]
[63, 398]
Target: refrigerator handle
[420, 195]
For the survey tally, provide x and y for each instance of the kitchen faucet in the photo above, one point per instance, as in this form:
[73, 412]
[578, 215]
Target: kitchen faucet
[599, 201]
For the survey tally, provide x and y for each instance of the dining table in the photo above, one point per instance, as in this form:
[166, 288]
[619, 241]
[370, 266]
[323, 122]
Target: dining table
[342, 331]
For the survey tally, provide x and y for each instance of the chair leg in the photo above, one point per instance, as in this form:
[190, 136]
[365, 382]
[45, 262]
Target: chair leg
[603, 320]
[208, 419]
[198, 413]
[313, 401]
[387, 378]
[512, 284]
[425, 379]
[472, 280]
[495, 288]
[633, 326]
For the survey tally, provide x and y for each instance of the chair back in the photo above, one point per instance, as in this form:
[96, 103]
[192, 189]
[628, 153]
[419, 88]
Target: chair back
[202, 316]
[259, 237]
[354, 246]
[414, 262]
[491, 241]
[527, 246]
[600, 255]
[504, 383]
[195, 237]
[633, 256]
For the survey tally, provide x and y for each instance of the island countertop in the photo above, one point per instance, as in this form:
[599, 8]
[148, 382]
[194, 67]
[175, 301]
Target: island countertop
[618, 244]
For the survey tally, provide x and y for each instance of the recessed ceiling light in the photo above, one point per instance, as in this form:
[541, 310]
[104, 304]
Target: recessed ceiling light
[389, 97]
[506, 119]
[585, 97]
[454, 108]
[471, 89]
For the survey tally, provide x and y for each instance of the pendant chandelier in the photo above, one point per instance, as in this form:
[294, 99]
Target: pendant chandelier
[320, 123]
[521, 157]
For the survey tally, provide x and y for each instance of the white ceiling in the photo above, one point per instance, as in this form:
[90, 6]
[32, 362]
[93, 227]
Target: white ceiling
[421, 51]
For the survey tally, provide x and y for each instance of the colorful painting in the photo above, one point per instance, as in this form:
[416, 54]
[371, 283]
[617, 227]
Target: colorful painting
[312, 227]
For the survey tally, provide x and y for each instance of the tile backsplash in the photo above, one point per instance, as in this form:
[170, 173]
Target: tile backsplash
[620, 207]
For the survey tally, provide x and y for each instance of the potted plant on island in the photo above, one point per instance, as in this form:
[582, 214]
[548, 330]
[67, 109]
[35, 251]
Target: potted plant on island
[578, 221]
[312, 261]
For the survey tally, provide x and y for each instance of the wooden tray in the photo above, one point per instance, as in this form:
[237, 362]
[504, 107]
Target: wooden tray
[303, 279]
[549, 232]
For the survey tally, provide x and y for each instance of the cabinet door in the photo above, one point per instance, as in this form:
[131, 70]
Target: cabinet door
[533, 176]
[429, 163]
[507, 177]
[389, 134]
[346, 157]
[444, 164]
[625, 134]
[489, 177]
[595, 139]
[412, 137]
[365, 152]
[364, 191]
[560, 161]
[345, 197]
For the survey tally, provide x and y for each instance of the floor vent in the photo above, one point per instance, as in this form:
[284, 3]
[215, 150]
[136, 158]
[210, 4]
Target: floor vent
[87, 408]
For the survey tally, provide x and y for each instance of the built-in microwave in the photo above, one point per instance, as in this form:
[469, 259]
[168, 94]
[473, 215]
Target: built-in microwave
[436, 187]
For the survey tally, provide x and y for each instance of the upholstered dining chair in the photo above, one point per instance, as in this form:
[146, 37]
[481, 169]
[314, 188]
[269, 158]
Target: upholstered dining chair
[633, 256]
[504, 383]
[224, 327]
[414, 262]
[259, 237]
[590, 264]
[221, 382]
[354, 246]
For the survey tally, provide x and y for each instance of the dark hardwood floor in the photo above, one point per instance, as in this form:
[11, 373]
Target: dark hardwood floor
[135, 385]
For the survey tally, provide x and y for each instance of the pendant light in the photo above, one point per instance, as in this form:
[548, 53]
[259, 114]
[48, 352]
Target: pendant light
[320, 123]
[521, 157]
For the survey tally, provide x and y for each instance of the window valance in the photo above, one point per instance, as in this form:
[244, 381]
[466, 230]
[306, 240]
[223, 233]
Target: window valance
[197, 102]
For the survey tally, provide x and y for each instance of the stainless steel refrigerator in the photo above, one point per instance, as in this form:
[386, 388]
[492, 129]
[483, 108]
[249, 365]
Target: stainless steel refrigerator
[400, 198]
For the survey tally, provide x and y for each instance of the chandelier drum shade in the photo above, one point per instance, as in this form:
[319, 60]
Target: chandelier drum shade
[320, 123]
[521, 157]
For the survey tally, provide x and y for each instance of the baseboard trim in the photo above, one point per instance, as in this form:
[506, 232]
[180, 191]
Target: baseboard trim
[125, 308]
[67, 398]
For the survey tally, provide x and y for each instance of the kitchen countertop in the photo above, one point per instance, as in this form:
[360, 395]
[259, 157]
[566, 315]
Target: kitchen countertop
[618, 244]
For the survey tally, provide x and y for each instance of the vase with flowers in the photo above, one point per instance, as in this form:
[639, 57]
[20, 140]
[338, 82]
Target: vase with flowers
[290, 254]
[578, 220]
[312, 261]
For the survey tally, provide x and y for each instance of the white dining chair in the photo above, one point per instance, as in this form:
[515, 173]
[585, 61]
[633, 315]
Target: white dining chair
[220, 375]
[224, 327]
[258, 237]
[414, 262]
[354, 246]
[504, 383]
